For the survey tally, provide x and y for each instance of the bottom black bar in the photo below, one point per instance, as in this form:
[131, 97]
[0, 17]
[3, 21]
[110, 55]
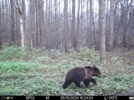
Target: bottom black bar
[67, 97]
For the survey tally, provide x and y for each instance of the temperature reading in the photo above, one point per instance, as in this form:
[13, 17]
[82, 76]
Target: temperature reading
[111, 98]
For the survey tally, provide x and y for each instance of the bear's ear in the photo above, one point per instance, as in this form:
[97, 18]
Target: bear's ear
[94, 66]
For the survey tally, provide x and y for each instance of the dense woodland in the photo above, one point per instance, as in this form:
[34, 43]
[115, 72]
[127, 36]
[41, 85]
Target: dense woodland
[57, 35]
[65, 24]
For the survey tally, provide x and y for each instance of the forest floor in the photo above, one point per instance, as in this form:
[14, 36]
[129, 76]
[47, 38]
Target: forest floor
[42, 72]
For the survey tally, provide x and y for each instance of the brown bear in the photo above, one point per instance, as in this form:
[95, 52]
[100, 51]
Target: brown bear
[79, 74]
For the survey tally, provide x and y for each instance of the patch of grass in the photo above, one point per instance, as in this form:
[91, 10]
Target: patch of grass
[89, 55]
[17, 67]
[11, 53]
[42, 72]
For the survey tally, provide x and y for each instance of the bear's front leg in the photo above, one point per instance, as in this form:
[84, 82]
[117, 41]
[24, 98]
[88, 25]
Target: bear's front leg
[86, 82]
[77, 84]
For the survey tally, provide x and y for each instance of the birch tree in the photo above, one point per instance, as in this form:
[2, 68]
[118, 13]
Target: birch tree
[19, 8]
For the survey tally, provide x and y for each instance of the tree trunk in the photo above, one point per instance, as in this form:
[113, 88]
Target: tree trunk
[87, 39]
[0, 30]
[0, 37]
[112, 2]
[73, 25]
[102, 29]
[91, 26]
[7, 18]
[41, 22]
[24, 16]
[66, 25]
[17, 28]
[0, 42]
[31, 27]
[37, 24]
[18, 7]
[78, 24]
[12, 24]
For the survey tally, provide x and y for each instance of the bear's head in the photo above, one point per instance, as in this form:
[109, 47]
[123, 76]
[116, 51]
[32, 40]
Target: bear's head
[95, 70]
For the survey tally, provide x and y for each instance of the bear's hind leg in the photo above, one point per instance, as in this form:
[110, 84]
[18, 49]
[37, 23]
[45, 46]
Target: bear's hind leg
[86, 82]
[77, 84]
[66, 84]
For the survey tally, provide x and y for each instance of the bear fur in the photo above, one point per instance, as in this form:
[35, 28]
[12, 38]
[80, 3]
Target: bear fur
[95, 73]
[79, 74]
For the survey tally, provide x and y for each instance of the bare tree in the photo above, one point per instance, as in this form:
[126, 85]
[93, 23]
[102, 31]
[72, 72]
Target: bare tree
[73, 25]
[78, 24]
[91, 25]
[17, 28]
[45, 24]
[125, 20]
[31, 28]
[102, 29]
[24, 16]
[87, 17]
[19, 8]
[41, 22]
[0, 29]
[12, 23]
[66, 25]
[37, 24]
[7, 18]
[112, 3]
[0, 42]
